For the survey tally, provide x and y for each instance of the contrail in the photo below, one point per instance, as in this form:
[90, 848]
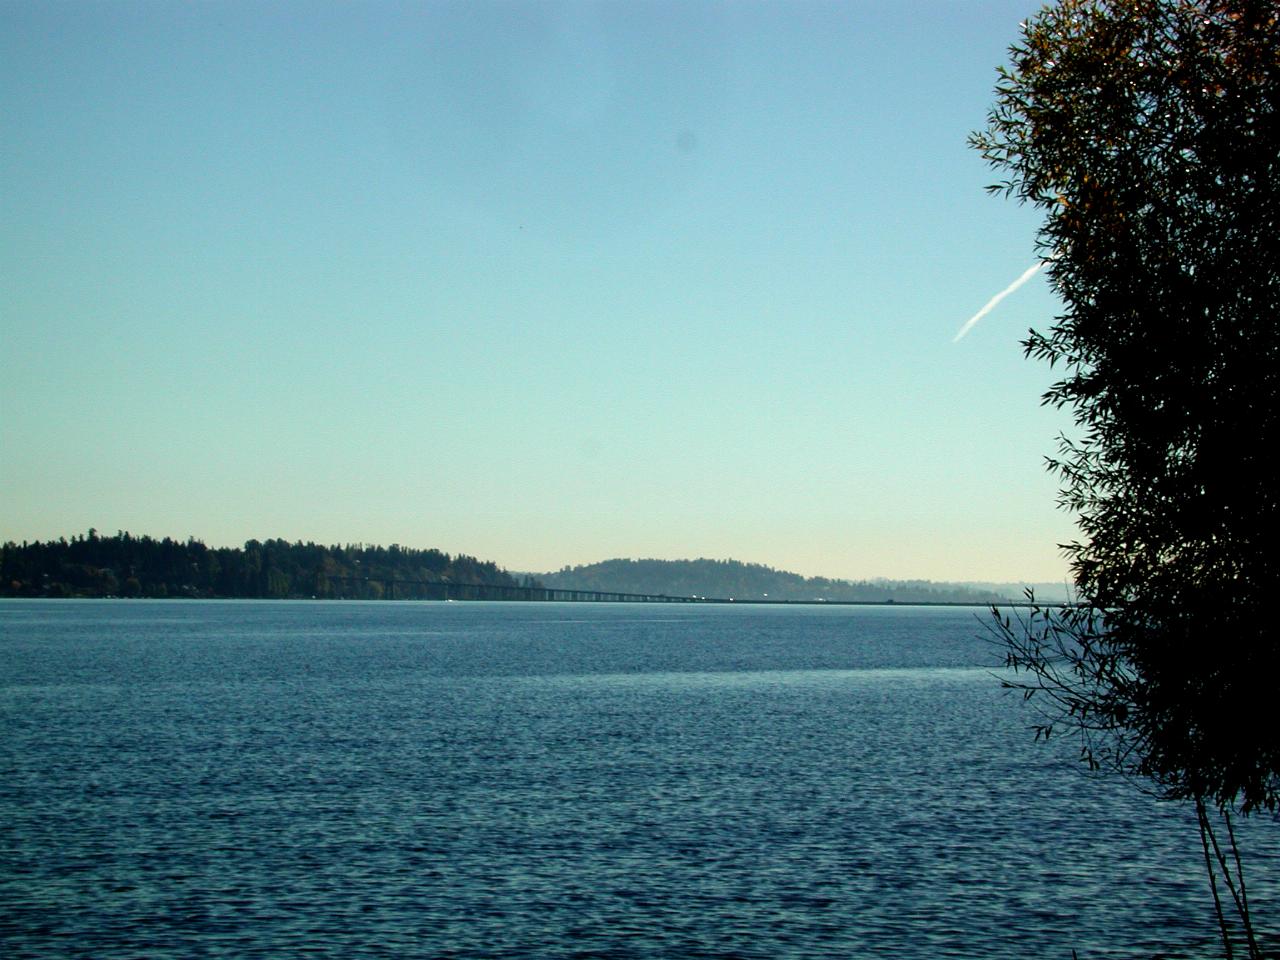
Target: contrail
[991, 304]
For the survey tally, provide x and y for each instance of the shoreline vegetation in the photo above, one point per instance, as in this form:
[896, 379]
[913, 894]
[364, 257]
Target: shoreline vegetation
[140, 566]
[125, 565]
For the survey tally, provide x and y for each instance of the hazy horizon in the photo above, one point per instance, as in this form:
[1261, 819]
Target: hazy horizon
[543, 283]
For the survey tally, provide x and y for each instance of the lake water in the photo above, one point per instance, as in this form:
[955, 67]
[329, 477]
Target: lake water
[275, 779]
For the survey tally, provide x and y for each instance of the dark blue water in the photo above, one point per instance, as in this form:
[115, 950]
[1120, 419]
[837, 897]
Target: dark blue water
[526, 780]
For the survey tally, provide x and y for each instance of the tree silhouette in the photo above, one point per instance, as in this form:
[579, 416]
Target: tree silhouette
[1148, 132]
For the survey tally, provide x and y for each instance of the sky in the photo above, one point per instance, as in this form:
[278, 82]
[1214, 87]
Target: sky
[541, 282]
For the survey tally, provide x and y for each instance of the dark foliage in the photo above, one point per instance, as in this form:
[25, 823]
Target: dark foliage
[1148, 131]
[125, 565]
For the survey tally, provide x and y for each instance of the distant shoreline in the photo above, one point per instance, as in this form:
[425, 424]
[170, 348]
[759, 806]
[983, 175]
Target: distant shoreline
[128, 566]
[670, 601]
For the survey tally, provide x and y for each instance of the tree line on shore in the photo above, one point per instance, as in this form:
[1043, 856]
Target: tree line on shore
[124, 565]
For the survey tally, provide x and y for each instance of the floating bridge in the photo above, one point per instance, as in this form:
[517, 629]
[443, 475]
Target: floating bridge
[398, 588]
[406, 589]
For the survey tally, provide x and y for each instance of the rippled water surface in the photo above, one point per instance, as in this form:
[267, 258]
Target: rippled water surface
[560, 780]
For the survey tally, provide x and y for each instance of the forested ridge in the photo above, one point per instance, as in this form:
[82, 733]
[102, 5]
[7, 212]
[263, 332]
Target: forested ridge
[125, 565]
[90, 565]
[751, 581]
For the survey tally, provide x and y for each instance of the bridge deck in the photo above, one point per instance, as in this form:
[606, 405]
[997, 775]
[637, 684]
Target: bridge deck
[448, 590]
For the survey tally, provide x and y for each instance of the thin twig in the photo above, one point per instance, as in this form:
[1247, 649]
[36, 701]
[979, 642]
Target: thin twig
[1226, 870]
[1205, 832]
[1255, 952]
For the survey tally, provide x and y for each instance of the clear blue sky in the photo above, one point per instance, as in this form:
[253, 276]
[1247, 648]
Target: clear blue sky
[542, 282]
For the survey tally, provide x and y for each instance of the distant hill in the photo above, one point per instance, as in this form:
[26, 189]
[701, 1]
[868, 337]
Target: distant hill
[754, 581]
